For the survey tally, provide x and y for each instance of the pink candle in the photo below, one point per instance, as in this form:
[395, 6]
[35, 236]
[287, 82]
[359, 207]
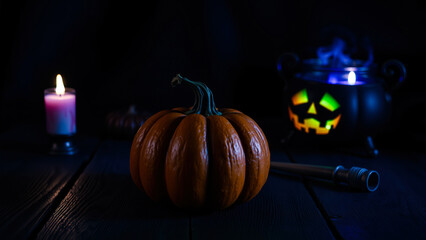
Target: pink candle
[60, 109]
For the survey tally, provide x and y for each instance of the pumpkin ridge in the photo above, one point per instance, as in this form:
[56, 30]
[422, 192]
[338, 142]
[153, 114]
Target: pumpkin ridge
[181, 109]
[263, 140]
[256, 153]
[209, 168]
[246, 153]
[187, 164]
[154, 152]
[136, 146]
[230, 111]
[227, 163]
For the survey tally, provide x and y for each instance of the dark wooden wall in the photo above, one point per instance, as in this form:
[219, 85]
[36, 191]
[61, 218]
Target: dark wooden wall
[119, 52]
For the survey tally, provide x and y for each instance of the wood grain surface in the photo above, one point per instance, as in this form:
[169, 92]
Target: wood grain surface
[396, 210]
[282, 210]
[31, 180]
[106, 204]
[91, 195]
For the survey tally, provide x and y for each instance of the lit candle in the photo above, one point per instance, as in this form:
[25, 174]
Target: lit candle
[60, 109]
[351, 78]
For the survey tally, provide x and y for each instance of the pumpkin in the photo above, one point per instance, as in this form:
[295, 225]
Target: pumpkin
[319, 115]
[121, 124]
[200, 156]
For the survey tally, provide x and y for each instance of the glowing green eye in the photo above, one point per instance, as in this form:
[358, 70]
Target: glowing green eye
[329, 102]
[300, 97]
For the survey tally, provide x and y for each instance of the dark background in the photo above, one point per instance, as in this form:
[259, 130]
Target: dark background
[115, 53]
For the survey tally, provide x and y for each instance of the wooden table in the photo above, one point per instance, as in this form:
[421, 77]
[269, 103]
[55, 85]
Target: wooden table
[91, 196]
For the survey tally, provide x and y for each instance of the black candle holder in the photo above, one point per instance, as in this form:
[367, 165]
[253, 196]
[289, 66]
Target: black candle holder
[62, 145]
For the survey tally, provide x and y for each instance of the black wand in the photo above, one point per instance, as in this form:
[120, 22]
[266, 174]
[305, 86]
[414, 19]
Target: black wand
[356, 177]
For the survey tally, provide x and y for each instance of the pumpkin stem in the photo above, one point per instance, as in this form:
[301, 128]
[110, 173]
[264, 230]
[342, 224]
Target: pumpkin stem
[204, 101]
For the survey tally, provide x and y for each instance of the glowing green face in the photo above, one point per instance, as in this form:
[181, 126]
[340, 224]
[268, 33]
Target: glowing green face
[327, 101]
[300, 97]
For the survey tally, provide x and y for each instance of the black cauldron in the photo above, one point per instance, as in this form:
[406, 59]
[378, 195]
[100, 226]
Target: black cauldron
[338, 104]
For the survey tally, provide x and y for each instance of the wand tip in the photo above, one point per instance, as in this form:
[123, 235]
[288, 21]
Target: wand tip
[373, 181]
[368, 180]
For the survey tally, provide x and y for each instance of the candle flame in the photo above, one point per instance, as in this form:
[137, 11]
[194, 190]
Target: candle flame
[60, 88]
[351, 78]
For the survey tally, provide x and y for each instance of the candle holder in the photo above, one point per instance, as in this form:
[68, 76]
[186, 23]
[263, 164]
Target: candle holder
[62, 145]
[61, 118]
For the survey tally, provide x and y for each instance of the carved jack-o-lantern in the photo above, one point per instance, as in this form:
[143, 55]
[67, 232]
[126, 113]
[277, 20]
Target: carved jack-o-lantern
[333, 104]
[317, 114]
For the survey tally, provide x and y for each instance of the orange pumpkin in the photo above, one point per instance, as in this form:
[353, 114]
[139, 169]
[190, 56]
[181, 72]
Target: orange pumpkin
[201, 156]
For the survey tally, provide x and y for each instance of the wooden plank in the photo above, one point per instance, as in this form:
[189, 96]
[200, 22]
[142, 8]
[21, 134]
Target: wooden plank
[395, 211]
[282, 210]
[30, 179]
[105, 203]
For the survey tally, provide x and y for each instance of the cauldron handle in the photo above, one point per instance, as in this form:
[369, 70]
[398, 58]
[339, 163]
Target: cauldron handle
[394, 73]
[287, 64]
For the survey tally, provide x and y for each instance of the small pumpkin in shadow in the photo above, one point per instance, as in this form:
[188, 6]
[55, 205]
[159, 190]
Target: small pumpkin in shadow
[124, 124]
